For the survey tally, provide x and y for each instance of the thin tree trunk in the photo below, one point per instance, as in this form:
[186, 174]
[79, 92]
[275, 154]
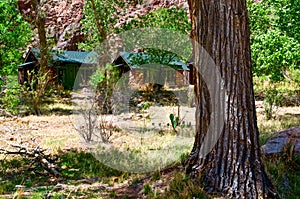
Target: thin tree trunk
[99, 23]
[233, 167]
[43, 72]
[40, 24]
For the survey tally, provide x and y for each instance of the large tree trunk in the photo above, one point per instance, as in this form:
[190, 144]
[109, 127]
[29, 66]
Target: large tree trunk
[233, 167]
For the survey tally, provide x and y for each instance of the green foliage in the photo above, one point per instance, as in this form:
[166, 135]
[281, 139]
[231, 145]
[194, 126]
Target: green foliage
[14, 37]
[146, 105]
[275, 44]
[106, 11]
[169, 18]
[288, 17]
[104, 75]
[103, 81]
[174, 121]
[155, 175]
[112, 194]
[259, 15]
[147, 189]
[33, 92]
[183, 187]
[11, 99]
[273, 98]
[97, 78]
[274, 54]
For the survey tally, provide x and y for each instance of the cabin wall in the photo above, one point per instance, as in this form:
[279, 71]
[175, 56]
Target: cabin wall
[172, 78]
[66, 75]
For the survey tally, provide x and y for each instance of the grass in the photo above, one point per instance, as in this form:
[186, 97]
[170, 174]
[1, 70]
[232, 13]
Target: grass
[76, 165]
[283, 169]
[180, 187]
[282, 121]
[289, 91]
[284, 174]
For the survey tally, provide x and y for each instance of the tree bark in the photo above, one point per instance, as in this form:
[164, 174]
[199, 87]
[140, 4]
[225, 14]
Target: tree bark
[233, 168]
[99, 23]
[40, 24]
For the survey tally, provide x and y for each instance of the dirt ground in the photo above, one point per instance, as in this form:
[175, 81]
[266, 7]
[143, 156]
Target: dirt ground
[57, 132]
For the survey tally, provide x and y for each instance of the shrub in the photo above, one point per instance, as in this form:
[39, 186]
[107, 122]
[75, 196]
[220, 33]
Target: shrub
[273, 98]
[10, 96]
[275, 44]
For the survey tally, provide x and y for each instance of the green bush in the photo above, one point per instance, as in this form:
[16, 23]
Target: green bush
[273, 98]
[275, 44]
[10, 100]
[274, 54]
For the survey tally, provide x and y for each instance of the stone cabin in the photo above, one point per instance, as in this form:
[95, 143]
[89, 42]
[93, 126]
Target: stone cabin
[166, 70]
[144, 68]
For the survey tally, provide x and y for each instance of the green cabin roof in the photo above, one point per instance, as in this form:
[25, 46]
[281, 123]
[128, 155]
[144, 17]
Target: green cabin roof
[135, 59]
[68, 56]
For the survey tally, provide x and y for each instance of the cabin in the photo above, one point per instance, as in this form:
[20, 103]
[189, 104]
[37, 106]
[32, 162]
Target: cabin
[164, 69]
[63, 65]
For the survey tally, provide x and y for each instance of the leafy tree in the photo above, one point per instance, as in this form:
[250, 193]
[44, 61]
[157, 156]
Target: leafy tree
[275, 54]
[39, 79]
[15, 34]
[104, 18]
[275, 44]
[169, 18]
[288, 17]
[232, 167]
[98, 21]
[39, 22]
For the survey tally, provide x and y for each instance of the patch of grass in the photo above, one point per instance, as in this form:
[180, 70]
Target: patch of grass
[147, 189]
[58, 106]
[155, 175]
[289, 91]
[78, 164]
[182, 187]
[15, 172]
[285, 174]
[267, 128]
[183, 157]
[112, 195]
[135, 181]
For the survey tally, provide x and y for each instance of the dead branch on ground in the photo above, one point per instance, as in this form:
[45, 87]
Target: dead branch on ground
[36, 156]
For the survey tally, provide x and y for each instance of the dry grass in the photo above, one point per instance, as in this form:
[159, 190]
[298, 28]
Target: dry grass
[55, 132]
[286, 117]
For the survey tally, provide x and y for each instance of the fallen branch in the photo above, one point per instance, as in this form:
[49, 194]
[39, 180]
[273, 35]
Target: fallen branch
[35, 155]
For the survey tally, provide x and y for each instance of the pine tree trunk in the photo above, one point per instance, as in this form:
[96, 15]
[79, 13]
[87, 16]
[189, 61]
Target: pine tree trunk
[233, 167]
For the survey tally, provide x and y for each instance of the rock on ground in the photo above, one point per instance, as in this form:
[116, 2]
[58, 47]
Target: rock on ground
[285, 138]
